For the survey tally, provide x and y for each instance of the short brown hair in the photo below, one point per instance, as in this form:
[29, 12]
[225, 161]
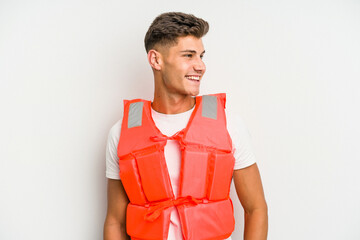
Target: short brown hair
[167, 27]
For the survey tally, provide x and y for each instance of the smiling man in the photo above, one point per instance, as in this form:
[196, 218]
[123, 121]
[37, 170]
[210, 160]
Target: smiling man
[170, 162]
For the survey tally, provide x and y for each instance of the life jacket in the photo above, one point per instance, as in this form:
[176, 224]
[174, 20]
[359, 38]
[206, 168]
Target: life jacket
[203, 203]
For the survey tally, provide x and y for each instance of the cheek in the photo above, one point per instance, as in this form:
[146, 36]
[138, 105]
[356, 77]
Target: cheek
[180, 71]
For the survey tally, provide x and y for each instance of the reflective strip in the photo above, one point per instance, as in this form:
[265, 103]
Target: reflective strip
[135, 114]
[209, 107]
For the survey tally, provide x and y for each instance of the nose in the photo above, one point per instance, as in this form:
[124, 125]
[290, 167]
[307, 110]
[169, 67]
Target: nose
[199, 66]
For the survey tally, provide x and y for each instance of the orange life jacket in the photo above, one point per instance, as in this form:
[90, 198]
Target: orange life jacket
[203, 203]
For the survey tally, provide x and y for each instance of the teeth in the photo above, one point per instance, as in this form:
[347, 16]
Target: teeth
[197, 78]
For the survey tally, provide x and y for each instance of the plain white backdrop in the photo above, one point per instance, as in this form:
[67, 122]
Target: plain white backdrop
[290, 68]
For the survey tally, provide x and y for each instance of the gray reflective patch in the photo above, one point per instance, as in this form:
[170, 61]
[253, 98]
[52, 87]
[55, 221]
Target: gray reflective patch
[209, 107]
[135, 114]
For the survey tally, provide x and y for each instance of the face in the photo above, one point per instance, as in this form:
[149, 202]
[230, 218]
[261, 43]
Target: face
[182, 66]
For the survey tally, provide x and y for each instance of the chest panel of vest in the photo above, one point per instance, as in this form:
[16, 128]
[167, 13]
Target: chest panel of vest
[203, 203]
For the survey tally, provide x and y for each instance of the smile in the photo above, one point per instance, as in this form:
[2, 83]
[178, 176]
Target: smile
[193, 78]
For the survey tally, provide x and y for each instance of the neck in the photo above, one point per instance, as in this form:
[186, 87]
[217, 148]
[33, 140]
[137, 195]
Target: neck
[172, 104]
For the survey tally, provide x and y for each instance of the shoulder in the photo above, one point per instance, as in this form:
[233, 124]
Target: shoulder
[241, 139]
[112, 164]
[235, 123]
[114, 133]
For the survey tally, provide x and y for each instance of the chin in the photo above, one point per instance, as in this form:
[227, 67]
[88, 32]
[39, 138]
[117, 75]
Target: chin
[194, 94]
[191, 91]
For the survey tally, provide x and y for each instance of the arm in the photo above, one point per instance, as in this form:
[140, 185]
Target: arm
[251, 195]
[115, 222]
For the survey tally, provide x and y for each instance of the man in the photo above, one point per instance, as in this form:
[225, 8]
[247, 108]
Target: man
[178, 153]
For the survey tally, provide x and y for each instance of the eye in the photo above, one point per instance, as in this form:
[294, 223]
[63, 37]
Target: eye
[201, 56]
[188, 55]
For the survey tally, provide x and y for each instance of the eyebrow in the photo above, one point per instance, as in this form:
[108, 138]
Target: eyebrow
[192, 51]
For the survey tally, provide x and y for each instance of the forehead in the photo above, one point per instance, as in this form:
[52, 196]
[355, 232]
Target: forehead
[183, 43]
[188, 43]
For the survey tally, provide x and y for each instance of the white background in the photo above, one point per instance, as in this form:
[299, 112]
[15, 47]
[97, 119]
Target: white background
[291, 68]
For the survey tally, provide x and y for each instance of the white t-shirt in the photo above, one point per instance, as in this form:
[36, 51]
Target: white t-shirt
[169, 124]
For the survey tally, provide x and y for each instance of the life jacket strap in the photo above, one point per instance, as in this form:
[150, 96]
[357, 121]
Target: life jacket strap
[155, 209]
[177, 136]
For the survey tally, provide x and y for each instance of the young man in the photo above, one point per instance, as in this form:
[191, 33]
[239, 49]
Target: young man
[177, 154]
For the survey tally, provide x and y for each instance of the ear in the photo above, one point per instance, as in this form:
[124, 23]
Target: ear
[154, 59]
